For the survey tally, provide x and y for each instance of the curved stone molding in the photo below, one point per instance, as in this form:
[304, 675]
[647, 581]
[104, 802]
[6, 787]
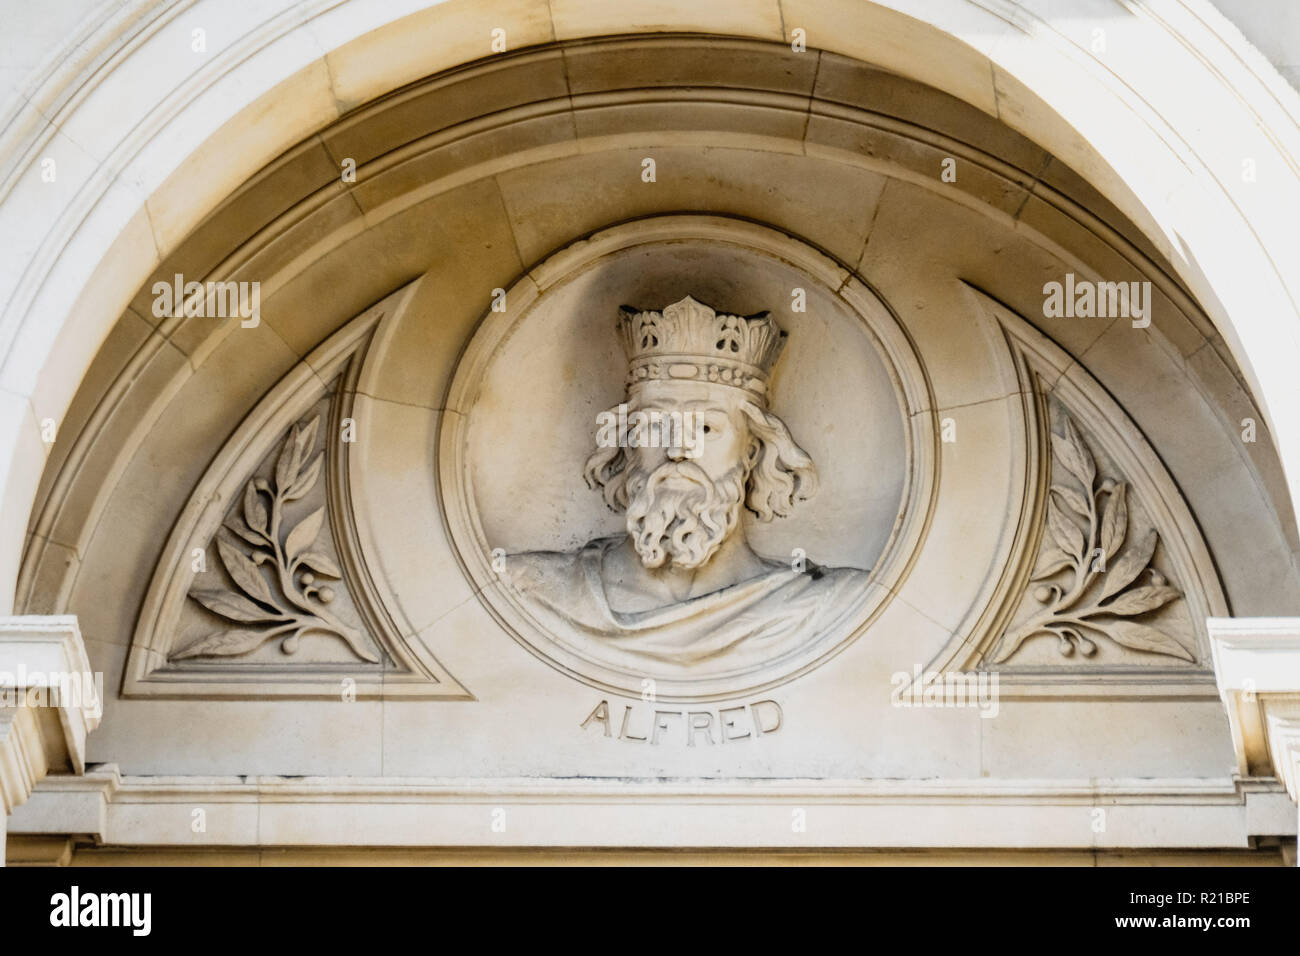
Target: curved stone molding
[139, 145]
[1109, 582]
[474, 167]
[262, 591]
[320, 223]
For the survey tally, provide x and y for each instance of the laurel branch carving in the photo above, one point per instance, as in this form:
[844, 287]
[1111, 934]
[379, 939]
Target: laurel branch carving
[1087, 524]
[286, 601]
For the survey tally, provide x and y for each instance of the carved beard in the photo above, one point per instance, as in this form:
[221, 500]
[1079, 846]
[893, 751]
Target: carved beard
[679, 512]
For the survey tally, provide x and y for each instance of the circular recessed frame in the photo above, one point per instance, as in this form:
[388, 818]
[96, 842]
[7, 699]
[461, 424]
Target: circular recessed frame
[521, 420]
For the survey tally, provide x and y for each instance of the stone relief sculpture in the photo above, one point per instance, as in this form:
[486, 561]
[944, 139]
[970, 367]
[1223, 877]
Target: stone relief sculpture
[264, 590]
[693, 444]
[1084, 592]
[293, 600]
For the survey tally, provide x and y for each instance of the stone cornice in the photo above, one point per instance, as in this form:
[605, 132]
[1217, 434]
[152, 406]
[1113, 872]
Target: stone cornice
[1257, 665]
[49, 702]
[245, 811]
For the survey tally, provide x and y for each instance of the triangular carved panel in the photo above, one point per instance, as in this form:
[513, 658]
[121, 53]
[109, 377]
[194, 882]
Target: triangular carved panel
[1109, 582]
[1102, 589]
[263, 590]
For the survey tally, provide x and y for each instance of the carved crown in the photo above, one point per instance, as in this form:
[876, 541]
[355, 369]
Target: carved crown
[692, 342]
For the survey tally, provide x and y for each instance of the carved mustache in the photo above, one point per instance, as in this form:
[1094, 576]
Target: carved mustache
[685, 471]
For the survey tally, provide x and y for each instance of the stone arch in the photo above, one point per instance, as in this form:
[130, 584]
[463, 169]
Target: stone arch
[436, 183]
[143, 175]
[293, 224]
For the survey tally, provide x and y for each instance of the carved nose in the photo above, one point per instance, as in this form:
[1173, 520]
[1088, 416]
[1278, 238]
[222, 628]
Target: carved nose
[676, 452]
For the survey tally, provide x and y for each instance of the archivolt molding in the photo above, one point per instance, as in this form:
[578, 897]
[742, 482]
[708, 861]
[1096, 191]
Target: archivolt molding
[302, 213]
[454, 154]
[308, 227]
[1108, 566]
[949, 45]
[264, 563]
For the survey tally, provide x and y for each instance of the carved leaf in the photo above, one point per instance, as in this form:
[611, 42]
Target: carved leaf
[1074, 455]
[287, 465]
[254, 509]
[236, 607]
[1072, 498]
[1142, 599]
[305, 481]
[296, 473]
[307, 439]
[1011, 642]
[1064, 532]
[234, 524]
[1053, 559]
[1114, 520]
[355, 642]
[1142, 637]
[1130, 564]
[1062, 609]
[244, 572]
[302, 537]
[223, 644]
[320, 563]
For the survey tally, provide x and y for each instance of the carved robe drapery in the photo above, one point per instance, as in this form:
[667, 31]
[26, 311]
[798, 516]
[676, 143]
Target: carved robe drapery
[762, 618]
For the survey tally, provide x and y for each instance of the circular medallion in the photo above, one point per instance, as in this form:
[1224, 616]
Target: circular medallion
[689, 454]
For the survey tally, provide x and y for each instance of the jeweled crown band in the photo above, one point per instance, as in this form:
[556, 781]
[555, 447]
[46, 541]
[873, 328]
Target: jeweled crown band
[691, 369]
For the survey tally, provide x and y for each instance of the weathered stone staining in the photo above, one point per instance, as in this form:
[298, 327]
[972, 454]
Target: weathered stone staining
[652, 723]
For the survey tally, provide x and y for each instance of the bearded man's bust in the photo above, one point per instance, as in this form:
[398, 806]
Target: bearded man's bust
[693, 444]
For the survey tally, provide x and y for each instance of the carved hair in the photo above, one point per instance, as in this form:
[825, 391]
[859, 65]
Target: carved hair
[783, 473]
[780, 473]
